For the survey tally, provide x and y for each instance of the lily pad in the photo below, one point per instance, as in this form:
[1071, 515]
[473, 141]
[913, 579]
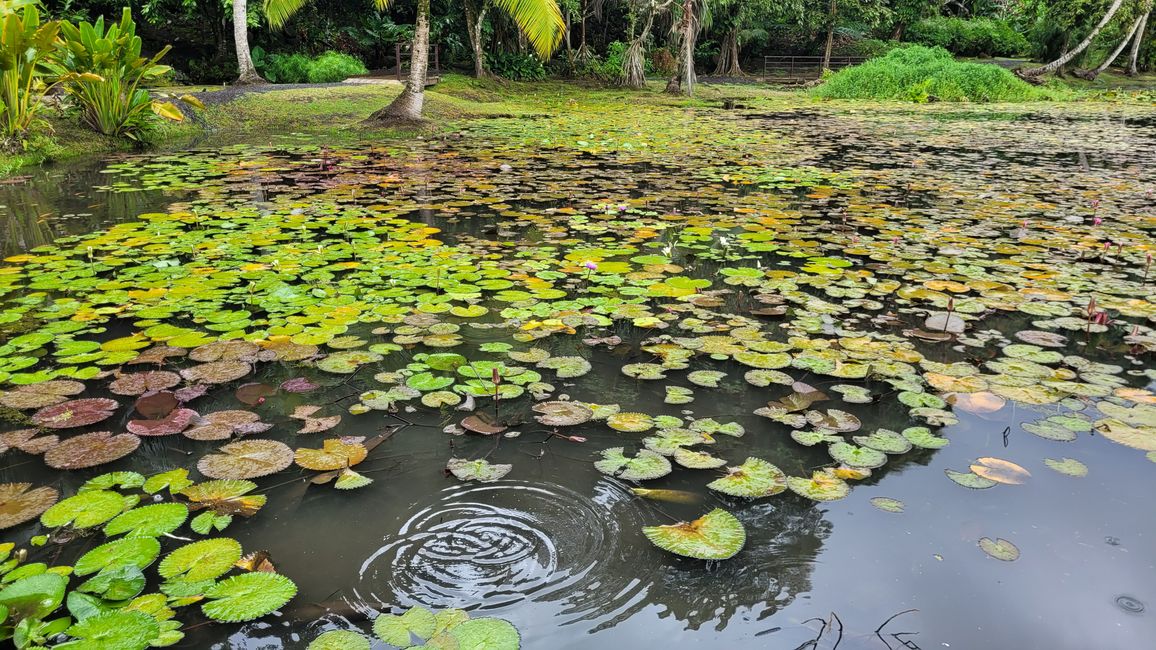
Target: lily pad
[854, 456]
[630, 422]
[717, 535]
[1000, 549]
[248, 596]
[753, 479]
[148, 521]
[923, 438]
[486, 634]
[562, 414]
[340, 640]
[139, 383]
[643, 467]
[400, 630]
[246, 459]
[175, 422]
[822, 486]
[1068, 466]
[887, 504]
[334, 454]
[20, 502]
[1000, 471]
[138, 552]
[204, 560]
[75, 413]
[970, 480]
[217, 372]
[85, 510]
[477, 470]
[697, 459]
[120, 629]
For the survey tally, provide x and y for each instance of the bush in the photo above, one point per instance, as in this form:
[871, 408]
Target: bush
[334, 66]
[976, 37]
[925, 74]
[26, 45]
[298, 68]
[607, 68]
[515, 66]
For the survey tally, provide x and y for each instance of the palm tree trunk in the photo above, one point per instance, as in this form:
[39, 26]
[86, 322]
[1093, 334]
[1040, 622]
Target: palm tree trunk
[474, 21]
[408, 105]
[1135, 54]
[683, 79]
[832, 13]
[1091, 75]
[728, 56]
[633, 64]
[248, 73]
[1072, 53]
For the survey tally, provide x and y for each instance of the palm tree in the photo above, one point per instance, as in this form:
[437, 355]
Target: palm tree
[540, 20]
[248, 72]
[1072, 53]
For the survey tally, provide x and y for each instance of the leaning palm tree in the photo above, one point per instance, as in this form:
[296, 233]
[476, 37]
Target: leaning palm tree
[540, 20]
[248, 72]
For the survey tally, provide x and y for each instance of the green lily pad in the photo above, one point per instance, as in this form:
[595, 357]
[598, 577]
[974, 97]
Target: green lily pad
[1000, 549]
[706, 378]
[340, 640]
[85, 510]
[486, 634]
[753, 479]
[203, 560]
[477, 470]
[1068, 466]
[969, 479]
[33, 597]
[138, 552]
[923, 438]
[887, 504]
[643, 467]
[822, 486]
[347, 362]
[697, 459]
[630, 422]
[400, 630]
[248, 596]
[148, 521]
[120, 629]
[717, 535]
[886, 441]
[854, 456]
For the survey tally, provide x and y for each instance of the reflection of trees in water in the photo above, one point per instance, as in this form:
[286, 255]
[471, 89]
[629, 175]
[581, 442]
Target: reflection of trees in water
[784, 536]
[59, 202]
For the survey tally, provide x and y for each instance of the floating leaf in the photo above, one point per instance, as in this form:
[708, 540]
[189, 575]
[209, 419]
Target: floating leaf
[849, 454]
[887, 504]
[155, 406]
[697, 459]
[645, 466]
[246, 459]
[706, 378]
[33, 597]
[247, 597]
[486, 634]
[334, 454]
[477, 470]
[483, 423]
[85, 510]
[217, 372]
[1000, 549]
[120, 629]
[40, 395]
[1000, 471]
[20, 502]
[75, 413]
[753, 479]
[351, 480]
[822, 486]
[204, 560]
[340, 640]
[148, 521]
[562, 414]
[969, 480]
[630, 422]
[1068, 466]
[886, 441]
[175, 422]
[923, 438]
[139, 383]
[138, 552]
[400, 630]
[717, 535]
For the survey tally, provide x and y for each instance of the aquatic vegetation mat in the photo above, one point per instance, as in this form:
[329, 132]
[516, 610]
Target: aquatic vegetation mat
[751, 327]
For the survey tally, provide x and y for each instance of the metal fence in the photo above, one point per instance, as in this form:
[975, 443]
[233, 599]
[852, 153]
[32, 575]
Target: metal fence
[804, 68]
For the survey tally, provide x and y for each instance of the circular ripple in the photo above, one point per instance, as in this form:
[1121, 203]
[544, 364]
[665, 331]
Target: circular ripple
[1129, 604]
[491, 545]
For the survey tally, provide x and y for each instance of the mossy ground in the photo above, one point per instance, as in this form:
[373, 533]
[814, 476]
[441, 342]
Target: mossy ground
[338, 113]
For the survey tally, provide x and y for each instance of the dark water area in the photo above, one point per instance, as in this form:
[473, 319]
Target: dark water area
[556, 547]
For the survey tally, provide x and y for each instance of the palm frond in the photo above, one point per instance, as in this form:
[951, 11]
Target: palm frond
[540, 20]
[279, 11]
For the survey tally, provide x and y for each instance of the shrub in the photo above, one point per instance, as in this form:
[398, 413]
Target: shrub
[334, 66]
[25, 46]
[605, 68]
[515, 66]
[924, 74]
[298, 68]
[103, 72]
[975, 37]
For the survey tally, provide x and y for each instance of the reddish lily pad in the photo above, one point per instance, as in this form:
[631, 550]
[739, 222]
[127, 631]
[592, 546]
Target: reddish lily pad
[75, 413]
[246, 459]
[20, 502]
[173, 423]
[90, 450]
[139, 383]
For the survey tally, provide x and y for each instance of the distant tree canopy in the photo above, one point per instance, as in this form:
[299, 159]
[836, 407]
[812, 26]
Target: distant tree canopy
[728, 36]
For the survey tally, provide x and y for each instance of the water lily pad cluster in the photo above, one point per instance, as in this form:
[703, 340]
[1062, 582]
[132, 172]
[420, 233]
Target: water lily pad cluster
[421, 627]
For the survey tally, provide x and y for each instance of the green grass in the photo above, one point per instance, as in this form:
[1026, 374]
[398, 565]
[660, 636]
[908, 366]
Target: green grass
[922, 74]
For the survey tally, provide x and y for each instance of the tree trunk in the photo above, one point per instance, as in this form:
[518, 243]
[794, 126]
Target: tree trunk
[474, 20]
[831, 16]
[408, 105]
[634, 63]
[1135, 54]
[683, 79]
[1072, 53]
[248, 73]
[728, 56]
[1091, 75]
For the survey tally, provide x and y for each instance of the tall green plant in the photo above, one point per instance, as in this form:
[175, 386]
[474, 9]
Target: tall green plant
[26, 46]
[103, 70]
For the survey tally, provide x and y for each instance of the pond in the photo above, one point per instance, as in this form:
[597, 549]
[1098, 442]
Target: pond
[894, 364]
